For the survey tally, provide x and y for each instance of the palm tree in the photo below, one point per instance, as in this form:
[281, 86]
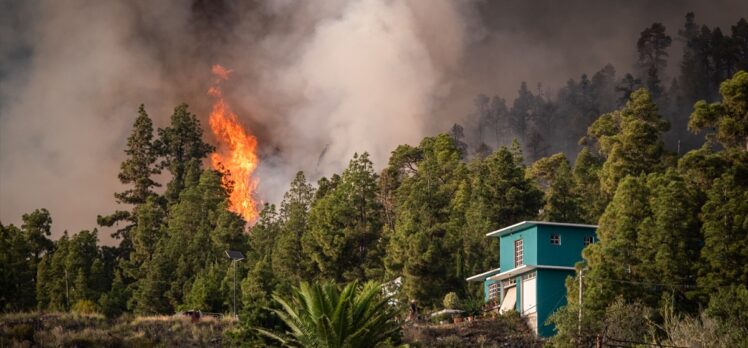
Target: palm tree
[324, 316]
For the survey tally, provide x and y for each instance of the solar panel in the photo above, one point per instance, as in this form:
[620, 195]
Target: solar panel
[235, 255]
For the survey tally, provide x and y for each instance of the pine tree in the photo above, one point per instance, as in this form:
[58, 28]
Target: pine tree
[139, 166]
[136, 170]
[149, 296]
[586, 175]
[17, 270]
[562, 202]
[724, 257]
[289, 259]
[630, 140]
[420, 246]
[345, 226]
[614, 259]
[669, 240]
[652, 46]
[728, 117]
[37, 226]
[180, 144]
[263, 234]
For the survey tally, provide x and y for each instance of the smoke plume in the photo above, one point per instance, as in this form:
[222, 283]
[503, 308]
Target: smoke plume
[316, 81]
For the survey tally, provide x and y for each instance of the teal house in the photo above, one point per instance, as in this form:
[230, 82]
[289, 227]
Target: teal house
[535, 259]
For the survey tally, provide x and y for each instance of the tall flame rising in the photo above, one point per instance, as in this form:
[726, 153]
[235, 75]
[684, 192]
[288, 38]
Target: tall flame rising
[236, 154]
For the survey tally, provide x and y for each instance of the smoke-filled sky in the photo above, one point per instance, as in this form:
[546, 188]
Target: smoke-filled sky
[310, 77]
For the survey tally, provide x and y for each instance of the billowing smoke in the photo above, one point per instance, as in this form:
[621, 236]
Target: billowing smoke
[314, 80]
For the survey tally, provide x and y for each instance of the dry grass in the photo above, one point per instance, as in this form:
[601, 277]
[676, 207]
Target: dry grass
[504, 331]
[91, 330]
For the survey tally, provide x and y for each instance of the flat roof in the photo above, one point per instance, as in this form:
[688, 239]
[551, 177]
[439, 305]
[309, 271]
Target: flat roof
[527, 224]
[524, 269]
[483, 276]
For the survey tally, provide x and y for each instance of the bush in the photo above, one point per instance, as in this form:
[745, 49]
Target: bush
[85, 307]
[325, 315]
[451, 301]
[473, 306]
[20, 333]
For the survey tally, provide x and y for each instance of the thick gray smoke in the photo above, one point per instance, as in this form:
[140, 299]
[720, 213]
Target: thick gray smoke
[339, 76]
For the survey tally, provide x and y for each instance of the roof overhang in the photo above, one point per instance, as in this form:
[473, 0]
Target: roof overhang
[481, 277]
[524, 269]
[527, 224]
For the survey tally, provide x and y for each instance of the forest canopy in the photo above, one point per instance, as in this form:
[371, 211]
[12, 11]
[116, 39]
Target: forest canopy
[661, 168]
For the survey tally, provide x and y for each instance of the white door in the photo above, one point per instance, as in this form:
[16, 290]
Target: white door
[528, 296]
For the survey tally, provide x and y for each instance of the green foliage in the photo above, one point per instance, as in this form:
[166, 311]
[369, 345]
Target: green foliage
[586, 175]
[562, 202]
[85, 307]
[205, 291]
[37, 228]
[139, 166]
[730, 306]
[725, 229]
[71, 273]
[17, 274]
[179, 145]
[614, 257]
[345, 226]
[422, 247]
[322, 315]
[451, 301]
[652, 46]
[288, 257]
[728, 117]
[630, 140]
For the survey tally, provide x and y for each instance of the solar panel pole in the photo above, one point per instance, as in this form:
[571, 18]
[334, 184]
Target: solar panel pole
[234, 256]
[234, 262]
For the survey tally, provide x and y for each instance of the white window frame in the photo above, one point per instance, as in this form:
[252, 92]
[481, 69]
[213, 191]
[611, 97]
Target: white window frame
[509, 282]
[530, 275]
[494, 291]
[519, 253]
[555, 239]
[589, 240]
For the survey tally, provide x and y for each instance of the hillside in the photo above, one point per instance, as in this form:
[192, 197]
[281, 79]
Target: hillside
[81, 330]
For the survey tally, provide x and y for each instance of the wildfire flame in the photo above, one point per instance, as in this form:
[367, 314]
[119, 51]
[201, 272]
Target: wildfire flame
[236, 153]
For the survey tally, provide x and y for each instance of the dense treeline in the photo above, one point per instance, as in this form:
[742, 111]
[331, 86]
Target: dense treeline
[547, 123]
[673, 227]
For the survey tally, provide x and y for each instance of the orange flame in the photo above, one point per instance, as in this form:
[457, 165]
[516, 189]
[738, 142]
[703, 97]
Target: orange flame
[236, 154]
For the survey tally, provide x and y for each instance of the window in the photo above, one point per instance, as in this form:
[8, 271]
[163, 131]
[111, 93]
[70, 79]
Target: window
[493, 291]
[518, 253]
[509, 282]
[588, 240]
[556, 239]
[530, 275]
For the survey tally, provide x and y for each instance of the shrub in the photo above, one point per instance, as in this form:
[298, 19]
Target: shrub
[451, 301]
[326, 316]
[85, 307]
[20, 333]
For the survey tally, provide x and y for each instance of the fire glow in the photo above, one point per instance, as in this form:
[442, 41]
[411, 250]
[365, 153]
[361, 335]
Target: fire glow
[236, 153]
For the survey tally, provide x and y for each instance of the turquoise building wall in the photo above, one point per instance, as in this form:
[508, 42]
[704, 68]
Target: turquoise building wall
[551, 294]
[538, 251]
[566, 254]
[529, 244]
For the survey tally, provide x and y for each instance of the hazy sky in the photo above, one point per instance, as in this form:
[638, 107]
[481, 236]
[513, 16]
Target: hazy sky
[360, 75]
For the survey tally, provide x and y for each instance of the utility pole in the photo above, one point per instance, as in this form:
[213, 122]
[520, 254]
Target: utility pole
[579, 324]
[234, 262]
[67, 289]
